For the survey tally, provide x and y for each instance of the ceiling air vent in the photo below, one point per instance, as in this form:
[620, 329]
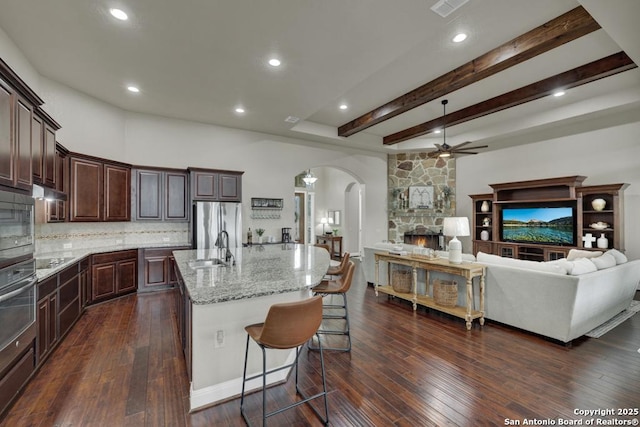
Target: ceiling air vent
[292, 119]
[445, 7]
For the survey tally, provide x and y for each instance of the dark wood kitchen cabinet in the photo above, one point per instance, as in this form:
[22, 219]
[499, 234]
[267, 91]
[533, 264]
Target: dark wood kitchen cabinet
[45, 168]
[69, 304]
[113, 274]
[157, 270]
[17, 102]
[57, 209]
[47, 317]
[160, 195]
[216, 185]
[99, 191]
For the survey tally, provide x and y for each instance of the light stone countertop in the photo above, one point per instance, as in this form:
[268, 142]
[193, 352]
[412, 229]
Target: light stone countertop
[258, 271]
[70, 256]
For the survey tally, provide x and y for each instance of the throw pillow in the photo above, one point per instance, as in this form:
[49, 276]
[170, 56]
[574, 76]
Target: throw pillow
[582, 266]
[619, 256]
[574, 254]
[604, 261]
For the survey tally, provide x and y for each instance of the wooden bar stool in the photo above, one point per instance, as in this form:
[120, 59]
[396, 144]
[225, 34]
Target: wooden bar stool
[288, 325]
[337, 286]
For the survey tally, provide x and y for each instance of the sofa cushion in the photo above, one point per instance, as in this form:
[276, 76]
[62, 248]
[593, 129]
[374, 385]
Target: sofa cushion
[574, 254]
[619, 256]
[604, 261]
[549, 267]
[582, 266]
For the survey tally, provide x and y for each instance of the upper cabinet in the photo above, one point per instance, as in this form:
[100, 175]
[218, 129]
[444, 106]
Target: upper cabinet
[99, 190]
[17, 104]
[45, 164]
[160, 195]
[216, 185]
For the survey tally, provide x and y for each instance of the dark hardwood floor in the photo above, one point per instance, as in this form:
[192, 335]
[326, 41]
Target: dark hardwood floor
[121, 366]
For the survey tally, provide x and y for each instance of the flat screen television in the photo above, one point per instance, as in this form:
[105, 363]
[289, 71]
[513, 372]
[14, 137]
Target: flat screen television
[541, 225]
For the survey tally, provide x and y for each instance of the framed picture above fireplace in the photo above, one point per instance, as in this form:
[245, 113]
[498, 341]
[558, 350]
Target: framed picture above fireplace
[421, 197]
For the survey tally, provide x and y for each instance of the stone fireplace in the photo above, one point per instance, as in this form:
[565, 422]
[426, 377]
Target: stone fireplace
[416, 169]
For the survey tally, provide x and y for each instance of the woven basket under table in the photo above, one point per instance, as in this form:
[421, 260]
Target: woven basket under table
[402, 281]
[445, 292]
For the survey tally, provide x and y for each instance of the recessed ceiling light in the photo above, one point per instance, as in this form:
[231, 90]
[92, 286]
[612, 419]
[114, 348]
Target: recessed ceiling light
[274, 62]
[558, 93]
[119, 14]
[460, 38]
[239, 110]
[343, 106]
[437, 131]
[133, 89]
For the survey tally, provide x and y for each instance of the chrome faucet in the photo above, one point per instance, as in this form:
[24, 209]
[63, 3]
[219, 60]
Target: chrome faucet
[222, 241]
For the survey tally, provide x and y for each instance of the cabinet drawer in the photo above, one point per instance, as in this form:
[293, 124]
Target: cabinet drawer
[69, 291]
[114, 257]
[16, 378]
[68, 273]
[48, 286]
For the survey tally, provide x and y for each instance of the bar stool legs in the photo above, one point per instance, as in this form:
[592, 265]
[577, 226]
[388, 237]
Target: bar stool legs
[280, 331]
[328, 288]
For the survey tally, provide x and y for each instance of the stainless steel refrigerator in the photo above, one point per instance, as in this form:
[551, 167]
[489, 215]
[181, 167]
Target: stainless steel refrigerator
[210, 222]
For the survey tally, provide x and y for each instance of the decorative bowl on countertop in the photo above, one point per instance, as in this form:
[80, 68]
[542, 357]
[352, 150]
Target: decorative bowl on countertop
[599, 225]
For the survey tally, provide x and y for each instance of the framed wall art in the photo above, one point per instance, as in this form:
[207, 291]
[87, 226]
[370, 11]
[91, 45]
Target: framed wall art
[421, 197]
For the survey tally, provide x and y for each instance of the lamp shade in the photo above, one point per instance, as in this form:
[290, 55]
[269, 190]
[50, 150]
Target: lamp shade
[456, 226]
[323, 220]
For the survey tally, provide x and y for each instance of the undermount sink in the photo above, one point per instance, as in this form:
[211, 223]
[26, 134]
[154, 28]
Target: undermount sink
[207, 263]
[44, 263]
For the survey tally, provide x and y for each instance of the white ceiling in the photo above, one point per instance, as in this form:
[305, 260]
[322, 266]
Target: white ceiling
[198, 60]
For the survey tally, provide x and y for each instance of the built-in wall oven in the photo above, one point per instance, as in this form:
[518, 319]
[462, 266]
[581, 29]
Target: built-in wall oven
[17, 277]
[16, 228]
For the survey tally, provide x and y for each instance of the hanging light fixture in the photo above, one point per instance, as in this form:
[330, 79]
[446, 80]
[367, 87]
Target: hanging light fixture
[444, 153]
[309, 178]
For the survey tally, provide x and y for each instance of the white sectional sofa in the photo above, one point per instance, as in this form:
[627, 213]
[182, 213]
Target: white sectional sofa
[561, 299]
[560, 305]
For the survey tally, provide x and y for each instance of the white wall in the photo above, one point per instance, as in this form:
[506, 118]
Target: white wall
[605, 156]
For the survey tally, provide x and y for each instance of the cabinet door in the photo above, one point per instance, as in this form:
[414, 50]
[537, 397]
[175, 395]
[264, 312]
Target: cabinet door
[24, 177]
[156, 270]
[176, 197]
[49, 148]
[230, 187]
[7, 172]
[86, 190]
[43, 328]
[148, 195]
[205, 185]
[37, 148]
[127, 274]
[117, 194]
[103, 283]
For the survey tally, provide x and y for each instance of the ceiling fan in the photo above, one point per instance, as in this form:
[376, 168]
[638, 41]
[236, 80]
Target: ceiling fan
[446, 150]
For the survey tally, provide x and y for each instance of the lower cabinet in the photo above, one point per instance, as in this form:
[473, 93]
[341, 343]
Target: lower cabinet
[113, 274]
[47, 317]
[69, 308]
[16, 378]
[183, 318]
[157, 269]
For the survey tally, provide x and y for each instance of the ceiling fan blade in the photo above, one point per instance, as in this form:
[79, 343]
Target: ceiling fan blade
[477, 147]
[438, 146]
[460, 145]
[464, 152]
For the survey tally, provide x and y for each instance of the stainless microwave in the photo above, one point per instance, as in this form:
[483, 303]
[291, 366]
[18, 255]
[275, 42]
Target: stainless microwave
[17, 233]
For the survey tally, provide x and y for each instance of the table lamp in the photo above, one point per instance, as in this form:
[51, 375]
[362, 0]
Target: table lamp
[455, 226]
[323, 221]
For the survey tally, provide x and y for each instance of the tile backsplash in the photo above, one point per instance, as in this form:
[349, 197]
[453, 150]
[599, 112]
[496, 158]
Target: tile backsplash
[58, 236]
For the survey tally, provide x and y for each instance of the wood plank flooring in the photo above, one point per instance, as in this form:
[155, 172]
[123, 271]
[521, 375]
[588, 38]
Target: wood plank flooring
[121, 366]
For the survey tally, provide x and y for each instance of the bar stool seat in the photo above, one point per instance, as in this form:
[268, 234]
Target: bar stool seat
[287, 326]
[338, 286]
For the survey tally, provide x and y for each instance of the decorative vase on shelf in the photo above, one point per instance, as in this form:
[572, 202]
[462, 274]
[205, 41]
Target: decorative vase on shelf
[484, 207]
[602, 242]
[484, 235]
[598, 204]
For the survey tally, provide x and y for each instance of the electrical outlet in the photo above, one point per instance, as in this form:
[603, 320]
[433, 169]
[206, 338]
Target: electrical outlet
[219, 341]
[66, 246]
[166, 239]
[118, 241]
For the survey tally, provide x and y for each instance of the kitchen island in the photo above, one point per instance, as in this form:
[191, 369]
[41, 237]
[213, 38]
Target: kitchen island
[218, 299]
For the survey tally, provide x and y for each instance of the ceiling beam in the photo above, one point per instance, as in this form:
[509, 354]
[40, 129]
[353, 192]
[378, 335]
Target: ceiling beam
[608, 66]
[563, 29]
